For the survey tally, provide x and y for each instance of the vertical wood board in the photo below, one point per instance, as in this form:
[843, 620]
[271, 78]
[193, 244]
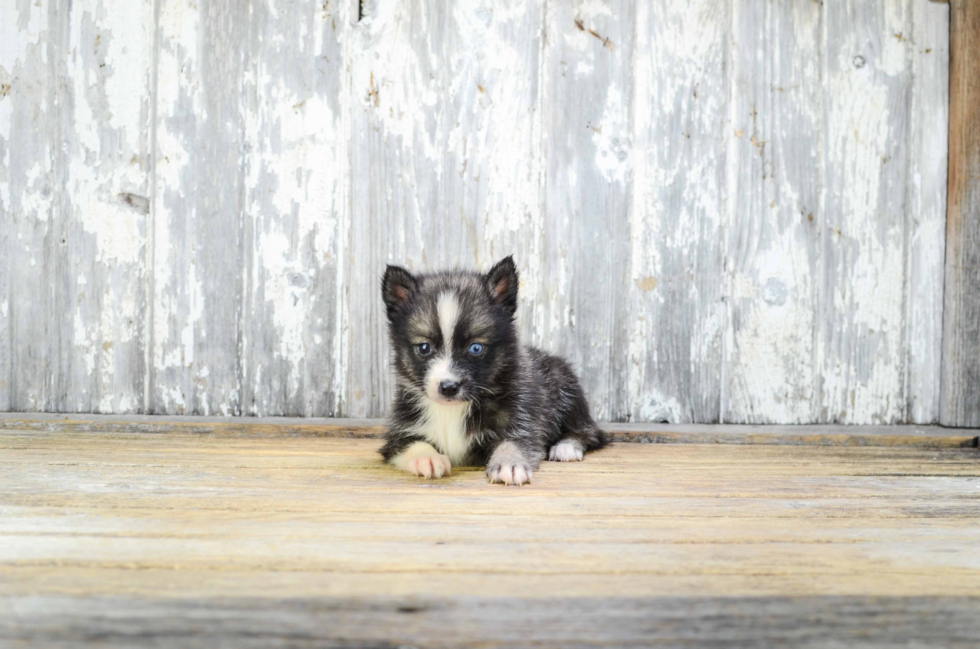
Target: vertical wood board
[863, 334]
[926, 227]
[296, 208]
[581, 307]
[74, 113]
[682, 128]
[198, 209]
[960, 404]
[773, 232]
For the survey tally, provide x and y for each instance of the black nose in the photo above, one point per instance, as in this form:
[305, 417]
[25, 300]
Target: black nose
[449, 388]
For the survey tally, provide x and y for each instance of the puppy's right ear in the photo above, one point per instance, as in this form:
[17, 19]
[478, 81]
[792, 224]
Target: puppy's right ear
[397, 288]
[502, 283]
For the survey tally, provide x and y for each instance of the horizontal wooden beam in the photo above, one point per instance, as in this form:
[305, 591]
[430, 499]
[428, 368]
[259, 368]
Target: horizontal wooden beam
[545, 622]
[814, 435]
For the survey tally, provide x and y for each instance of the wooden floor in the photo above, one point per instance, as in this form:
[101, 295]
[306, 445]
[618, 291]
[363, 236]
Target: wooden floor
[230, 540]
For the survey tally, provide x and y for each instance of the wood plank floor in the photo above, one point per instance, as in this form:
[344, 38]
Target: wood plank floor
[228, 540]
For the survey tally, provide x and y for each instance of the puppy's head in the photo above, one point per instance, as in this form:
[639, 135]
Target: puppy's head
[452, 333]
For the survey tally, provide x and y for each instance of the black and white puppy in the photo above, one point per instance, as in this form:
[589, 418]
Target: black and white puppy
[468, 392]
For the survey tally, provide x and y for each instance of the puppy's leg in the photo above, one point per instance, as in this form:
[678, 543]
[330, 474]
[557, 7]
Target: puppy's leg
[422, 459]
[573, 445]
[579, 432]
[510, 464]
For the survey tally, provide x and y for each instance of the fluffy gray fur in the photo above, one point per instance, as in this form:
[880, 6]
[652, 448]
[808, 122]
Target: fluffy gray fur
[524, 404]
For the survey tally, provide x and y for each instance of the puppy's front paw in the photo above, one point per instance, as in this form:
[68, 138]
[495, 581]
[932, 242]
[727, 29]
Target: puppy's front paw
[512, 474]
[429, 465]
[567, 450]
[422, 459]
[509, 465]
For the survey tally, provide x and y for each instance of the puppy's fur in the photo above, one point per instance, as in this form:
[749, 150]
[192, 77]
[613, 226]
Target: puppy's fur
[467, 391]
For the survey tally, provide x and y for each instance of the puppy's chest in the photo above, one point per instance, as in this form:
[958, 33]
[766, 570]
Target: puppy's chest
[444, 426]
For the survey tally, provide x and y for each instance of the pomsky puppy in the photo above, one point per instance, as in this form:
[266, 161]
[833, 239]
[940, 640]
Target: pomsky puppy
[468, 392]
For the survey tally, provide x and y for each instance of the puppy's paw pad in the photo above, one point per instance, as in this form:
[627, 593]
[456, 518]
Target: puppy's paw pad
[430, 466]
[510, 474]
[566, 451]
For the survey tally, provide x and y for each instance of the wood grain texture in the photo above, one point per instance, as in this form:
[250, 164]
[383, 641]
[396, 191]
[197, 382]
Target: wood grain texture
[774, 221]
[926, 226]
[649, 433]
[198, 200]
[444, 162]
[198, 240]
[31, 192]
[73, 208]
[863, 334]
[473, 621]
[158, 526]
[581, 302]
[108, 183]
[961, 316]
[681, 102]
[297, 208]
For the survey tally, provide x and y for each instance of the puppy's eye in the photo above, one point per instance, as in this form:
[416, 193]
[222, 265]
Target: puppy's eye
[476, 349]
[424, 349]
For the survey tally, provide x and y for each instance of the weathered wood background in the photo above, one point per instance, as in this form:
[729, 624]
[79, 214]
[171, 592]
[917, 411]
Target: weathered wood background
[723, 210]
[960, 398]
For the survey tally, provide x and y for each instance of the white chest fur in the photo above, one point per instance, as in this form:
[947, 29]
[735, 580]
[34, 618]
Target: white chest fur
[444, 426]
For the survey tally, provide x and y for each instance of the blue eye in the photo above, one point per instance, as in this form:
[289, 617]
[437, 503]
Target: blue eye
[424, 349]
[476, 349]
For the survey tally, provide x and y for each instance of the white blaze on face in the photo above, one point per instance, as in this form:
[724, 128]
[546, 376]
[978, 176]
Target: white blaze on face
[444, 421]
[448, 309]
[441, 369]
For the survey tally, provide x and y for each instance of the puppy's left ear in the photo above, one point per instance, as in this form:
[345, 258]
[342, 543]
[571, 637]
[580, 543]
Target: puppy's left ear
[502, 283]
[397, 287]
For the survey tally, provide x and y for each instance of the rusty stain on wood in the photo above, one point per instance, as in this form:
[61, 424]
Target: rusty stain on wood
[581, 27]
[647, 283]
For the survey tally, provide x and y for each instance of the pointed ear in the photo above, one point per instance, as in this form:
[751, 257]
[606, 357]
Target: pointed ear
[502, 283]
[397, 287]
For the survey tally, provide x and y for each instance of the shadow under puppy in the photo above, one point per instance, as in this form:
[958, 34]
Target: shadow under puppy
[468, 392]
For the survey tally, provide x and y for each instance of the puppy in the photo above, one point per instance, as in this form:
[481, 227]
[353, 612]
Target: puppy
[468, 393]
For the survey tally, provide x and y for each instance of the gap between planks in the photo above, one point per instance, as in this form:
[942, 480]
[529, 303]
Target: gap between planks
[785, 435]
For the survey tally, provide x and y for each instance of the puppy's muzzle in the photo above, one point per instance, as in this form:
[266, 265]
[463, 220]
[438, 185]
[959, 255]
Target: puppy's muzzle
[449, 389]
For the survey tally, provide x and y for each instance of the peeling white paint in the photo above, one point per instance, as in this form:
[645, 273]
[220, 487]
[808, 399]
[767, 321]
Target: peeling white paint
[657, 407]
[655, 194]
[84, 342]
[179, 379]
[676, 214]
[37, 198]
[863, 361]
[297, 163]
[611, 137]
[19, 32]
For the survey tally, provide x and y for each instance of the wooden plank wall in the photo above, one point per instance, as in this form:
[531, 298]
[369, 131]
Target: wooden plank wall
[961, 341]
[723, 211]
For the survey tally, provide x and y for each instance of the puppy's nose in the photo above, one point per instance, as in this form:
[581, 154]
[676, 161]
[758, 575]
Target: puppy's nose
[449, 388]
